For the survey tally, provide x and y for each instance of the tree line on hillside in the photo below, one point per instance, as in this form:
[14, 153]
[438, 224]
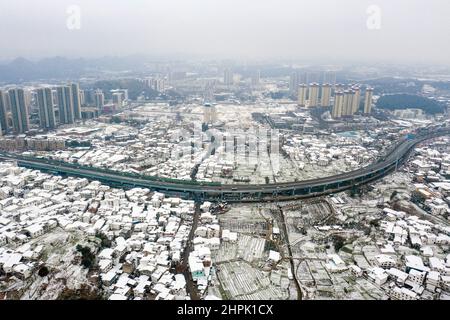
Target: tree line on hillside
[407, 101]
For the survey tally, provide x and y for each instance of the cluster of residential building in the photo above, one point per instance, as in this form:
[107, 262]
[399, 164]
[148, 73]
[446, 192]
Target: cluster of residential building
[38, 143]
[146, 233]
[18, 101]
[147, 151]
[157, 149]
[155, 83]
[207, 239]
[415, 274]
[406, 259]
[395, 236]
[431, 168]
[140, 265]
[53, 105]
[346, 101]
[309, 150]
[406, 256]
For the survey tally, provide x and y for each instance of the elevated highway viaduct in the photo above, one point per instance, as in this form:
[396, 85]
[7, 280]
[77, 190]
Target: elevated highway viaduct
[237, 193]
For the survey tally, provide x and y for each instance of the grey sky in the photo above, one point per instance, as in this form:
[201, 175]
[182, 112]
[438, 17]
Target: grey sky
[326, 30]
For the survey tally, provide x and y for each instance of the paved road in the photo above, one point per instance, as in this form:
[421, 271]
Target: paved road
[288, 244]
[191, 286]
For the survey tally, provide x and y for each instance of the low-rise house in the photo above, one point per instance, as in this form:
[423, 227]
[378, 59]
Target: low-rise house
[377, 275]
[213, 243]
[227, 235]
[384, 261]
[398, 275]
[3, 240]
[274, 256]
[117, 296]
[201, 231]
[416, 277]
[445, 282]
[179, 284]
[22, 271]
[35, 230]
[442, 239]
[196, 267]
[106, 254]
[355, 270]
[335, 263]
[433, 280]
[9, 261]
[143, 285]
[426, 251]
[204, 253]
[105, 265]
[158, 272]
[415, 262]
[402, 294]
[436, 264]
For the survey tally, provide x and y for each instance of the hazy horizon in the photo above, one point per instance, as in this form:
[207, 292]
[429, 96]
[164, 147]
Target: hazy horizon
[411, 31]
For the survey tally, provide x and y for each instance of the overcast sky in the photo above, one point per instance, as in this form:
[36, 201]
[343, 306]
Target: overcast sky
[324, 30]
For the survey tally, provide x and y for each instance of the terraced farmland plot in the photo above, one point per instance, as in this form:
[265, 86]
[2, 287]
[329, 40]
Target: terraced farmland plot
[239, 279]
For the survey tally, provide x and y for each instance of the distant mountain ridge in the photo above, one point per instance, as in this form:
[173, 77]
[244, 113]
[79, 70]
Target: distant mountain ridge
[22, 70]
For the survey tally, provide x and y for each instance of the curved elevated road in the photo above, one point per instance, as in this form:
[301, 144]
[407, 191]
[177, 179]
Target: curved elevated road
[240, 193]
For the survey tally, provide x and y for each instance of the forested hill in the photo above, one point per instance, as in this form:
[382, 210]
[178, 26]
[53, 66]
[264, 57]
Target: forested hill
[407, 101]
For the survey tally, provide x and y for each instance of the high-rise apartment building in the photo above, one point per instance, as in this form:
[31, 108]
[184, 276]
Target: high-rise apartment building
[65, 105]
[347, 103]
[325, 99]
[117, 98]
[302, 92]
[46, 110]
[256, 77]
[76, 101]
[159, 85]
[368, 101]
[82, 97]
[54, 97]
[227, 77]
[313, 94]
[123, 92]
[3, 119]
[19, 110]
[338, 105]
[356, 99]
[293, 83]
[99, 98]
